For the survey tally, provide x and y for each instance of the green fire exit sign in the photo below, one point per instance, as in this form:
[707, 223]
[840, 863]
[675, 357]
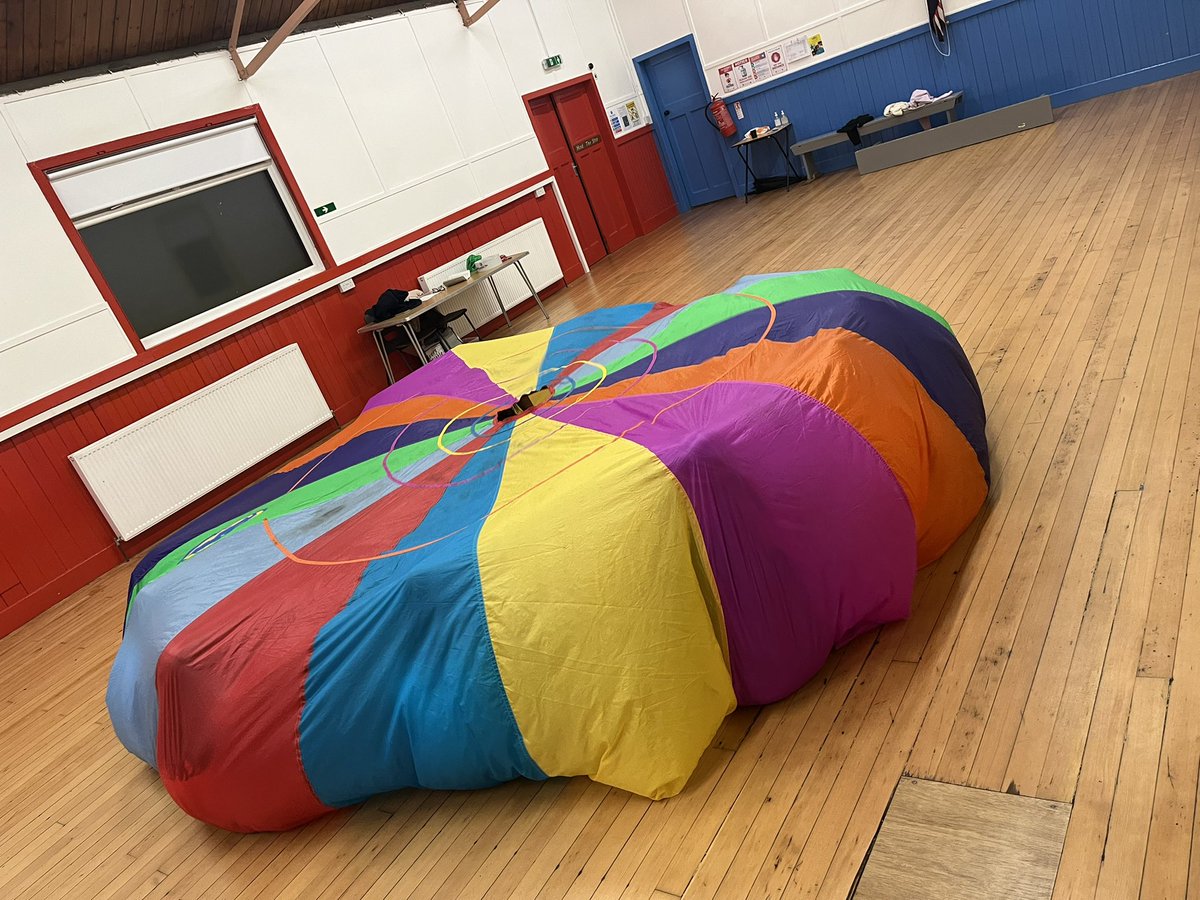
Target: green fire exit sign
[327, 208]
[551, 62]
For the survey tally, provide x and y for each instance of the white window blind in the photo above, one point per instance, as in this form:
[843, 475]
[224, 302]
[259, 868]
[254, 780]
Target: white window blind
[159, 168]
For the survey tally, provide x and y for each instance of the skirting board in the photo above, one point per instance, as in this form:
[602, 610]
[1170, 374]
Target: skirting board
[954, 135]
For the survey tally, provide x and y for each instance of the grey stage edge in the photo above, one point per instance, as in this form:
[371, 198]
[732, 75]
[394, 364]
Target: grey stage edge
[955, 135]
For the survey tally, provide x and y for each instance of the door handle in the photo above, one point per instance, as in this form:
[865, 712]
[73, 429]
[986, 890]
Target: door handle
[666, 112]
[575, 166]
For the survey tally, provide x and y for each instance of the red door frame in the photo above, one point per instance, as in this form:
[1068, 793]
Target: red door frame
[606, 135]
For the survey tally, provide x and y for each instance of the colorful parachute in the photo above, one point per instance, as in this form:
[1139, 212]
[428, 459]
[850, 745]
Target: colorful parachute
[561, 553]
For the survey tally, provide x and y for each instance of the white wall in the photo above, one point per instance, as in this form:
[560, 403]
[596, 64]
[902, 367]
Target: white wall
[581, 32]
[646, 24]
[55, 328]
[727, 31]
[400, 121]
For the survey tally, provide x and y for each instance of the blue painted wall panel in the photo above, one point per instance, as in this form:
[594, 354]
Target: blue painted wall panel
[1004, 51]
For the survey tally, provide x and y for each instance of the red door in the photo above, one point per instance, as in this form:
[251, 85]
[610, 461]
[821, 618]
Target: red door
[558, 154]
[591, 146]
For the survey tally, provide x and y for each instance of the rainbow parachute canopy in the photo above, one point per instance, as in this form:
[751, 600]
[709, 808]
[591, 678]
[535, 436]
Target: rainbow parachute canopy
[571, 552]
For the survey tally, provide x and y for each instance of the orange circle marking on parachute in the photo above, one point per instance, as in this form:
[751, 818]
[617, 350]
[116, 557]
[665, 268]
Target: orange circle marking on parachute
[406, 550]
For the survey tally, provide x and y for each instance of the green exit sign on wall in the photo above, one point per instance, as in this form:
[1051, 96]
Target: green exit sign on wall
[326, 209]
[551, 62]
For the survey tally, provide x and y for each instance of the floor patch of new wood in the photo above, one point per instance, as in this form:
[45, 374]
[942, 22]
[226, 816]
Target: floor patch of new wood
[1054, 650]
[946, 842]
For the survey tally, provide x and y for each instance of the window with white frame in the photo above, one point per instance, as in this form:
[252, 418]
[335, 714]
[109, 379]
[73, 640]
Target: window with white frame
[187, 230]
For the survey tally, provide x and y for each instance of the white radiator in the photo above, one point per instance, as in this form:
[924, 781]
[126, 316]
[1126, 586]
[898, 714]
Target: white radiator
[541, 265]
[158, 465]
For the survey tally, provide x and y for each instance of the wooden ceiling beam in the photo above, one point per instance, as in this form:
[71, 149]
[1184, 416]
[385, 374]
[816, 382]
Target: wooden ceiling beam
[272, 44]
[470, 19]
[234, 34]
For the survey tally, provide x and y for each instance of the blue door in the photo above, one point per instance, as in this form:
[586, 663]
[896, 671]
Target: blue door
[678, 96]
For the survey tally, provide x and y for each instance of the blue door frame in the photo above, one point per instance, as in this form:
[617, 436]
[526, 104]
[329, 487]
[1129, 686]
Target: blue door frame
[661, 138]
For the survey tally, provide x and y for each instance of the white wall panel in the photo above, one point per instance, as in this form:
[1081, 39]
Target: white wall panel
[562, 35]
[602, 46]
[646, 24]
[44, 279]
[307, 114]
[203, 86]
[518, 38]
[472, 80]
[871, 23]
[521, 38]
[71, 118]
[785, 16]
[724, 28]
[59, 358]
[391, 94]
[500, 170]
[390, 216]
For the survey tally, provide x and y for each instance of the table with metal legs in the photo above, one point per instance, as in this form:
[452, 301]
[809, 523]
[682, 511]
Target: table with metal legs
[411, 332]
[744, 146]
[405, 320]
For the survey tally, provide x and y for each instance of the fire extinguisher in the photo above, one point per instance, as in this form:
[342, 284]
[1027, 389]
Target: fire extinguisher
[720, 118]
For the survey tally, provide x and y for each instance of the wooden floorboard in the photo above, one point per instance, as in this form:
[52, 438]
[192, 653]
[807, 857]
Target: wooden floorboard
[1054, 652]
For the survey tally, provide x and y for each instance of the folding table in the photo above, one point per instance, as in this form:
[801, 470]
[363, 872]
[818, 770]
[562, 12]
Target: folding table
[405, 320]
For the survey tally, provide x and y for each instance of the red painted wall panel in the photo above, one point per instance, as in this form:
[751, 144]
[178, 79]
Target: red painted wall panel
[642, 167]
[53, 537]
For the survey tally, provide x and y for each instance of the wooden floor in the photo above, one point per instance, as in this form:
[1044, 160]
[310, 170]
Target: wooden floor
[1054, 652]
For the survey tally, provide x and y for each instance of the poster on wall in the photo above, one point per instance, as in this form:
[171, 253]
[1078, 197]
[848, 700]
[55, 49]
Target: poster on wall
[728, 84]
[796, 49]
[614, 120]
[779, 64]
[633, 114]
[768, 64]
[761, 66]
[743, 72]
[815, 45]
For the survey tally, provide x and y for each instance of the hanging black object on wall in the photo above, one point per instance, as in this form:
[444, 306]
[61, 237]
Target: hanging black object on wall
[937, 19]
